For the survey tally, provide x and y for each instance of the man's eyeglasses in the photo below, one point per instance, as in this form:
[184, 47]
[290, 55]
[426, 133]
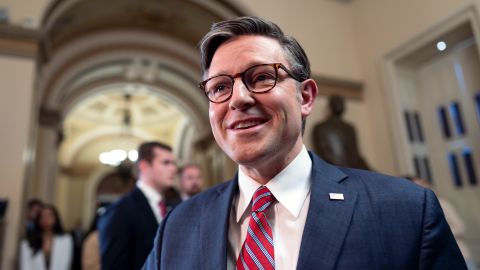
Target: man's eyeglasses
[257, 79]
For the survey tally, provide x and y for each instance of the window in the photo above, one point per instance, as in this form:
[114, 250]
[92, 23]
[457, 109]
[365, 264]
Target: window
[416, 163]
[418, 127]
[442, 118]
[468, 159]
[456, 177]
[477, 103]
[457, 117]
[427, 171]
[408, 124]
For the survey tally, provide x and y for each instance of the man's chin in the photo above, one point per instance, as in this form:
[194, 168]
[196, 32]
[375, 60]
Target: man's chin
[249, 159]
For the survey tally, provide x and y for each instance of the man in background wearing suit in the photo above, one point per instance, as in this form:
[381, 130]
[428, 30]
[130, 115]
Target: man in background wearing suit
[128, 227]
[286, 208]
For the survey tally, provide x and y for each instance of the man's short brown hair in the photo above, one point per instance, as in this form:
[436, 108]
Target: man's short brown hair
[145, 150]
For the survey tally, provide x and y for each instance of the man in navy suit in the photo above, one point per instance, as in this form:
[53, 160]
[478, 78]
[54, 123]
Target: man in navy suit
[286, 208]
[128, 227]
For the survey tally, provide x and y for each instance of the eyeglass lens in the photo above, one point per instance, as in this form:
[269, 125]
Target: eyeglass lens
[257, 79]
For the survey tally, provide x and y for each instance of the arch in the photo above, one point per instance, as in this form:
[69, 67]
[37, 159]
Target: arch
[188, 20]
[114, 48]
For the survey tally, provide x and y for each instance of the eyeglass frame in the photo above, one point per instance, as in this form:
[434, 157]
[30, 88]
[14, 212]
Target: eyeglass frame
[276, 66]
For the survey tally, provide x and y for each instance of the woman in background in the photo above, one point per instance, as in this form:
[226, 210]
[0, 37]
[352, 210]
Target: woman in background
[47, 248]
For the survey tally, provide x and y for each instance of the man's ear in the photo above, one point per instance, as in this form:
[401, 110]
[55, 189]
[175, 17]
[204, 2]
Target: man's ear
[142, 165]
[308, 92]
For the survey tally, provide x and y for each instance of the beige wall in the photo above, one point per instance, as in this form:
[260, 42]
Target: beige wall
[20, 10]
[16, 78]
[324, 28]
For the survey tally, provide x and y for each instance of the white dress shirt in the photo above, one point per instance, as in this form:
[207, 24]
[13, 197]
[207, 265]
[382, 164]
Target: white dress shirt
[153, 198]
[287, 215]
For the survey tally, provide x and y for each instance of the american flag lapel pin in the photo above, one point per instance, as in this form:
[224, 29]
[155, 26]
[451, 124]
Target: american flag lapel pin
[336, 196]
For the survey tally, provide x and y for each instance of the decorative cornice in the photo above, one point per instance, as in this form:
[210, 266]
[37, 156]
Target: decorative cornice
[79, 170]
[18, 41]
[334, 86]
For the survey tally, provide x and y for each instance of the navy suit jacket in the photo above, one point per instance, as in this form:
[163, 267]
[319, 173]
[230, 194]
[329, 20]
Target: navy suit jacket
[383, 223]
[127, 231]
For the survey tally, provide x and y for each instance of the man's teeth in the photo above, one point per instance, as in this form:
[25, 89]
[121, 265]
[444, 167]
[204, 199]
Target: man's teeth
[246, 124]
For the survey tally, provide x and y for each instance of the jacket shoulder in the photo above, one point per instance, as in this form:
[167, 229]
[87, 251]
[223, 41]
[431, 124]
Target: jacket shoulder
[128, 201]
[382, 183]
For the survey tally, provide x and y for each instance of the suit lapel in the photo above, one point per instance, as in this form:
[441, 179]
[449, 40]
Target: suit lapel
[328, 220]
[143, 203]
[215, 228]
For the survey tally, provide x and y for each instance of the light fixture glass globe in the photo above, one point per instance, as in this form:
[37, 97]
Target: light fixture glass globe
[133, 155]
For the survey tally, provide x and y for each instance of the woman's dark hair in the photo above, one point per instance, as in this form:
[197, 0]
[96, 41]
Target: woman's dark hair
[35, 239]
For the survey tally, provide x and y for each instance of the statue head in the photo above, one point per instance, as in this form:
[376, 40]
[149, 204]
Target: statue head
[337, 105]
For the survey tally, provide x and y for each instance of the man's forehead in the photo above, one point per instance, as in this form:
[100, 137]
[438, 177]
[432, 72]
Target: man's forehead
[160, 152]
[191, 169]
[248, 50]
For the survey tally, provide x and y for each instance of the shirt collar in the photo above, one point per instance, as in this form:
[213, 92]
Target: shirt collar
[149, 192]
[290, 187]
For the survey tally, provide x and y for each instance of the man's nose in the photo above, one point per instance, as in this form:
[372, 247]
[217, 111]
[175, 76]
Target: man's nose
[241, 97]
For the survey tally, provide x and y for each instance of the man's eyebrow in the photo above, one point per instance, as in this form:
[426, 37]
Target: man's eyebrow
[217, 73]
[251, 63]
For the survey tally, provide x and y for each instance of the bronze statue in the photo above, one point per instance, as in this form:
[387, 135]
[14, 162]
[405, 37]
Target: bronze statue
[335, 140]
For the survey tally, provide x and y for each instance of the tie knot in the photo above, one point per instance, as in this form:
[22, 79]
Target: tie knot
[262, 198]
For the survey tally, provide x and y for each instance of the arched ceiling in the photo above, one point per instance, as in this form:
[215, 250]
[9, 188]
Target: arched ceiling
[107, 108]
[94, 52]
[186, 20]
[96, 124]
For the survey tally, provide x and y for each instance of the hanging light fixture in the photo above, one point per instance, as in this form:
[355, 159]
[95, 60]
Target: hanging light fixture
[116, 157]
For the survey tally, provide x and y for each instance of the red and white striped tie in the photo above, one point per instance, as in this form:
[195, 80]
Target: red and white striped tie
[257, 251]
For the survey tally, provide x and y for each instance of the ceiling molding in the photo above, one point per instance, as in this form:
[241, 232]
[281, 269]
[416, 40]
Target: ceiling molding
[328, 86]
[18, 41]
[188, 21]
[84, 54]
